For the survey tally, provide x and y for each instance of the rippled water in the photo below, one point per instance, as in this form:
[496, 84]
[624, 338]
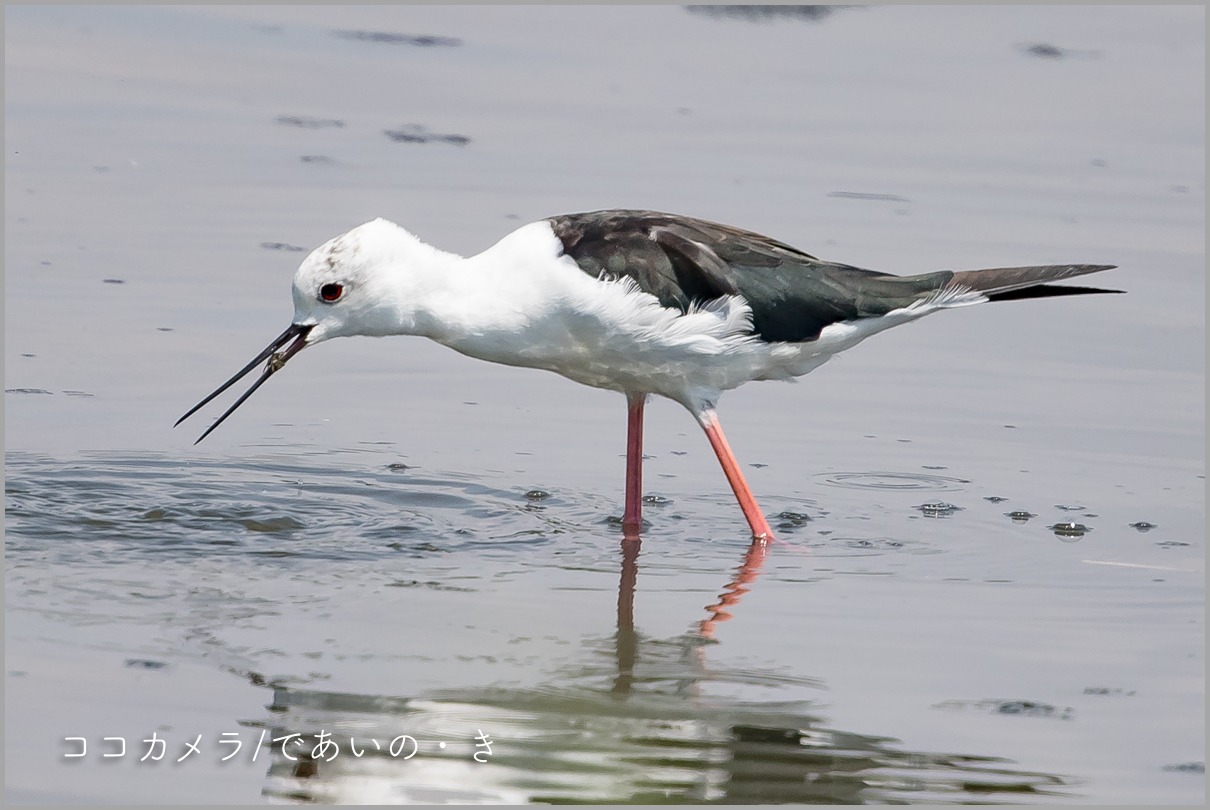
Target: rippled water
[464, 608]
[989, 579]
[894, 481]
[623, 716]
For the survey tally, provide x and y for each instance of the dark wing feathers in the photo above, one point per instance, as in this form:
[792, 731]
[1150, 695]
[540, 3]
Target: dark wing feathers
[793, 295]
[694, 262]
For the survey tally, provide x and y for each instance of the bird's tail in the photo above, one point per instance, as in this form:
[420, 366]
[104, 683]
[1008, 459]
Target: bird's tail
[1012, 283]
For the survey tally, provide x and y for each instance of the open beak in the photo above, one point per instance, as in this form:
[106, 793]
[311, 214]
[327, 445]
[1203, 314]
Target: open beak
[277, 357]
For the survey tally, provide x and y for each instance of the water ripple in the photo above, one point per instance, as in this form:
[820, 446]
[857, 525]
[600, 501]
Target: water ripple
[894, 481]
[155, 506]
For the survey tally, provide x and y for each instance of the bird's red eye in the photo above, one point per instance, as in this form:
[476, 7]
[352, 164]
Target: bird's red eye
[331, 292]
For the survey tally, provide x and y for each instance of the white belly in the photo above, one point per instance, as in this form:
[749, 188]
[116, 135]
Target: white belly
[616, 337]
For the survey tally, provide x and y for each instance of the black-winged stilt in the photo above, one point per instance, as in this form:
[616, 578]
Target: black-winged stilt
[632, 301]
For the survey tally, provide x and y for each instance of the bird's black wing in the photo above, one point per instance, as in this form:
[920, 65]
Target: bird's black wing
[681, 261]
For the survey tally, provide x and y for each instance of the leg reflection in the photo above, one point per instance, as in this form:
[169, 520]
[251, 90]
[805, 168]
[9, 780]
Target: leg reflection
[626, 639]
[734, 590]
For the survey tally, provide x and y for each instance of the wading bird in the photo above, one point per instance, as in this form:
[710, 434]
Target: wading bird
[638, 302]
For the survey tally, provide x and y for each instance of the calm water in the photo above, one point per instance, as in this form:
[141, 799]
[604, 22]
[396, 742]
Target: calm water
[398, 551]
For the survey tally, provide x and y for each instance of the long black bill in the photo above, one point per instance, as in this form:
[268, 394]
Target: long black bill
[277, 357]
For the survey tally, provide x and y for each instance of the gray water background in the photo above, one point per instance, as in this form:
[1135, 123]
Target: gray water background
[394, 539]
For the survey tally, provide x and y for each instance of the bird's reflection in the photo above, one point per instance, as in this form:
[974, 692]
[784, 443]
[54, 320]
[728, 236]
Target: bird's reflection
[644, 737]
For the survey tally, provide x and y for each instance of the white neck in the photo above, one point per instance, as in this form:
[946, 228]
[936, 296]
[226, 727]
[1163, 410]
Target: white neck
[475, 304]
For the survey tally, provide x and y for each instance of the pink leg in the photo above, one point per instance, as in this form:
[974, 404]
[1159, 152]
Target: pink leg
[632, 517]
[714, 432]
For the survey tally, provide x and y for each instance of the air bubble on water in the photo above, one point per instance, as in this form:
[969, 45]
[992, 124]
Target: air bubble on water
[792, 520]
[1070, 529]
[938, 509]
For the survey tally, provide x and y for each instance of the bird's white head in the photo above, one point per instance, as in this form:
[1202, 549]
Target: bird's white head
[374, 280]
[368, 281]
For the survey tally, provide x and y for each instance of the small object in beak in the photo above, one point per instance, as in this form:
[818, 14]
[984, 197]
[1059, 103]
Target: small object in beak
[275, 363]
